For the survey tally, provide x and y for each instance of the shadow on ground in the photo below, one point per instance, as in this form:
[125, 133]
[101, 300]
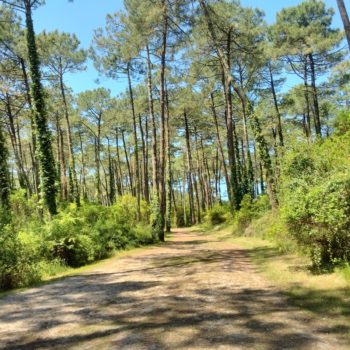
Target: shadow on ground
[183, 295]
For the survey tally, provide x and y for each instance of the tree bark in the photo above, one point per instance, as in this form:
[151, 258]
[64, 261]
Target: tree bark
[72, 170]
[131, 181]
[162, 160]
[136, 150]
[345, 19]
[155, 185]
[227, 180]
[189, 171]
[278, 114]
[5, 185]
[47, 166]
[315, 97]
[144, 162]
[307, 102]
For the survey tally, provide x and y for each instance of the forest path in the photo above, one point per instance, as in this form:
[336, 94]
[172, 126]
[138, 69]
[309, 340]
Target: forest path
[194, 292]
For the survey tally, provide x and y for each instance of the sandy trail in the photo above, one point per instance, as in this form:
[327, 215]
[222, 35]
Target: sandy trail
[194, 292]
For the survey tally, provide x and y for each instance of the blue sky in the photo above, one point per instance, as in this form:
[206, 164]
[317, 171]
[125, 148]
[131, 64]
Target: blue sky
[83, 16]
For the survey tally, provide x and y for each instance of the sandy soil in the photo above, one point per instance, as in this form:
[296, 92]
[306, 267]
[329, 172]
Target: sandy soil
[193, 292]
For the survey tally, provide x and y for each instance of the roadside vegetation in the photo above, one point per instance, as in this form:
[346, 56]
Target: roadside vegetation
[223, 119]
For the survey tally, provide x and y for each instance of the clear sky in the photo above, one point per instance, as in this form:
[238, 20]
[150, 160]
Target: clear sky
[83, 16]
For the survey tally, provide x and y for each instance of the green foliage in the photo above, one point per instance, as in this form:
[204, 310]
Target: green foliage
[272, 227]
[45, 153]
[217, 215]
[319, 219]
[250, 209]
[315, 194]
[74, 237]
[20, 254]
[24, 209]
[342, 122]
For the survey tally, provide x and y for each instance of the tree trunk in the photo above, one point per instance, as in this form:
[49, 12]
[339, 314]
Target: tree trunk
[22, 176]
[119, 164]
[71, 168]
[112, 189]
[169, 170]
[278, 114]
[155, 184]
[34, 159]
[45, 155]
[131, 181]
[315, 97]
[307, 102]
[144, 162]
[98, 159]
[136, 150]
[345, 19]
[220, 147]
[162, 160]
[5, 184]
[83, 168]
[230, 81]
[189, 171]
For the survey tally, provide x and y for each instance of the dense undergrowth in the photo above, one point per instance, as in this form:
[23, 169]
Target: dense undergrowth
[314, 212]
[32, 247]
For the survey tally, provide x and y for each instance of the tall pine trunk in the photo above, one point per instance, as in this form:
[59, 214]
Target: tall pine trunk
[317, 118]
[136, 149]
[5, 184]
[162, 160]
[74, 190]
[45, 154]
[345, 18]
[189, 171]
[155, 185]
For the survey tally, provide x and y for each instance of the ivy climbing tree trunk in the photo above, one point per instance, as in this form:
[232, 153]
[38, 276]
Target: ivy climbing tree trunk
[4, 173]
[45, 154]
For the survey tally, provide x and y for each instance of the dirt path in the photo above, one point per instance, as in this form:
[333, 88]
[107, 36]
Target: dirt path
[192, 293]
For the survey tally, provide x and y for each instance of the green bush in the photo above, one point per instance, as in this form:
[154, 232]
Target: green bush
[250, 210]
[272, 227]
[315, 198]
[217, 215]
[20, 255]
[24, 210]
[319, 219]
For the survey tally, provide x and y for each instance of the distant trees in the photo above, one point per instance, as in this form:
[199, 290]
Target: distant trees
[305, 39]
[206, 117]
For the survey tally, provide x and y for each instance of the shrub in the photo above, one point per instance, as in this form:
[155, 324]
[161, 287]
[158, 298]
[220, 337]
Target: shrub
[271, 226]
[69, 239]
[74, 237]
[24, 210]
[250, 209]
[315, 197]
[319, 219]
[217, 215]
[20, 255]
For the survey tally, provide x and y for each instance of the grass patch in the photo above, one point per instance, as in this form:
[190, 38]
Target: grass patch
[325, 295]
[55, 272]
